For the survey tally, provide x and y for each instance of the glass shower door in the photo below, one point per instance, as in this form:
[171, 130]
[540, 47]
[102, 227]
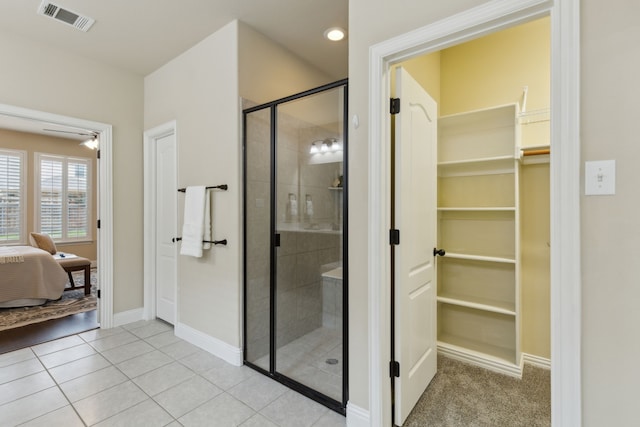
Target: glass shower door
[258, 247]
[294, 242]
[309, 227]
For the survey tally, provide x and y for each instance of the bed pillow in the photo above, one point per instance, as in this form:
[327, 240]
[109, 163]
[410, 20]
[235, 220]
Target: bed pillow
[44, 242]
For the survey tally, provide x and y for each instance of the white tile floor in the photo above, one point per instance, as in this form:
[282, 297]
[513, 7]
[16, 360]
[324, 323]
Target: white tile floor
[142, 375]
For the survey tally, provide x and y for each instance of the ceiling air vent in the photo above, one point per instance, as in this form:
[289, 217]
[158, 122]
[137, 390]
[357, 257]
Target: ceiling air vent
[66, 16]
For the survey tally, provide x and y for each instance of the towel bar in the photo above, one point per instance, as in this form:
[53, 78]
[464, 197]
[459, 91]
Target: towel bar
[224, 187]
[215, 242]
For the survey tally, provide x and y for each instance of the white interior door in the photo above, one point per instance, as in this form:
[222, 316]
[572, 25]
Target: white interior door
[415, 217]
[165, 230]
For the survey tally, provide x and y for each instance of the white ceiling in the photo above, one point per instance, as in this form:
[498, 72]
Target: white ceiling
[142, 35]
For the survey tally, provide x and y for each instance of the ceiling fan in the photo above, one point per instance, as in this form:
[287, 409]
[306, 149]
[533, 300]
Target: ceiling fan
[74, 133]
[91, 142]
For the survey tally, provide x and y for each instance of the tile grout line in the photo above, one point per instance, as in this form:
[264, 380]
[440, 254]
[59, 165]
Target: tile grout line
[57, 385]
[128, 379]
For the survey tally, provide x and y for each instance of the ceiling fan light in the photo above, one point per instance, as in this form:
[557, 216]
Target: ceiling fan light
[91, 143]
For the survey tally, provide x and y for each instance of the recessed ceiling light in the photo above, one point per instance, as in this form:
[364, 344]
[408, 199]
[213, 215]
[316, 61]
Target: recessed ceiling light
[334, 34]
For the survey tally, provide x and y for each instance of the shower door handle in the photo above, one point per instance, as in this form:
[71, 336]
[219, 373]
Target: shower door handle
[277, 240]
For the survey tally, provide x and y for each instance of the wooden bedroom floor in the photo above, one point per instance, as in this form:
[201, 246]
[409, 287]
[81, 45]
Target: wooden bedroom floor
[37, 333]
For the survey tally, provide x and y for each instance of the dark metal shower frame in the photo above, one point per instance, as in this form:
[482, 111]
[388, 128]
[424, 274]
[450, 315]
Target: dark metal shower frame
[338, 406]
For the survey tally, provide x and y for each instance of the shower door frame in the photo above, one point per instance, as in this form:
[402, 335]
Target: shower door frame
[338, 406]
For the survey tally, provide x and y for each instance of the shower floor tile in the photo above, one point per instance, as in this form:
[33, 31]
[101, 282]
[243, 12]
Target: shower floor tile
[305, 361]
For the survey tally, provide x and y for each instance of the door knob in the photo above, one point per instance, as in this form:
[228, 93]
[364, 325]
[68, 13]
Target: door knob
[440, 252]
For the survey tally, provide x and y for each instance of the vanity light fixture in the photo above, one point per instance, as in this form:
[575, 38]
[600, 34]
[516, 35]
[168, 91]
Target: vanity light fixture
[326, 145]
[335, 34]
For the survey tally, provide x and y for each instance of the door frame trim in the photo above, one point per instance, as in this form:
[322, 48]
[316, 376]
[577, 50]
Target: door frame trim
[566, 396]
[149, 155]
[105, 197]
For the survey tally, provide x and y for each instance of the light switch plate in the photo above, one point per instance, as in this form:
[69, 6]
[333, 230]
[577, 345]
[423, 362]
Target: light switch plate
[600, 178]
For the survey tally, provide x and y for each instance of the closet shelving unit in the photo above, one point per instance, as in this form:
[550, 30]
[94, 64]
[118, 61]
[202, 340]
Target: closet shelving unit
[479, 228]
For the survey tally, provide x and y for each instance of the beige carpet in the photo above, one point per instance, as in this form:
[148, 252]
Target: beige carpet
[71, 302]
[465, 395]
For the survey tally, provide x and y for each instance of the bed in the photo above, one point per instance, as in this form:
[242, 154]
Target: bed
[29, 276]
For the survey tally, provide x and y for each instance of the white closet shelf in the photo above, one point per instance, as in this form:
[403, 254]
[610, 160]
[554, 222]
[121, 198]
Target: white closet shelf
[484, 304]
[480, 258]
[479, 225]
[478, 166]
[467, 162]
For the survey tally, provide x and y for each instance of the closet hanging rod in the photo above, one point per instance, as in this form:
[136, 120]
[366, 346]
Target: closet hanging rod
[535, 152]
[215, 242]
[224, 187]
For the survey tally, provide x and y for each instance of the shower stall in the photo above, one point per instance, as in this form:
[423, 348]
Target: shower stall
[295, 245]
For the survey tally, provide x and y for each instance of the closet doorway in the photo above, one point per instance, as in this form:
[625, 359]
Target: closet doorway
[492, 212]
[295, 242]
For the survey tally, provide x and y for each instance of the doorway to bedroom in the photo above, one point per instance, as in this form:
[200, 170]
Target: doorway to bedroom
[49, 199]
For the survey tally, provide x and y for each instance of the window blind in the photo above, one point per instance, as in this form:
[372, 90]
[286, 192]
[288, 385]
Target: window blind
[51, 197]
[11, 196]
[64, 211]
[77, 203]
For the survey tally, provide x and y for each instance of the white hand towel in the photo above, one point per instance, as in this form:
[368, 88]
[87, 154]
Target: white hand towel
[193, 225]
[207, 220]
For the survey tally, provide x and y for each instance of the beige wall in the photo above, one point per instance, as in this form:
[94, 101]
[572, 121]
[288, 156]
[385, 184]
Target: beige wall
[38, 77]
[535, 255]
[33, 143]
[610, 55]
[199, 89]
[268, 71]
[494, 69]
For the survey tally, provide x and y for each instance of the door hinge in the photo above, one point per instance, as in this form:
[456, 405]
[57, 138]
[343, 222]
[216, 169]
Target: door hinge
[394, 237]
[98, 224]
[394, 369]
[99, 293]
[277, 240]
[395, 105]
[98, 154]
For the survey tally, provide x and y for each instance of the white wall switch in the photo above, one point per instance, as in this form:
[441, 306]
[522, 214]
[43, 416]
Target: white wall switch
[600, 178]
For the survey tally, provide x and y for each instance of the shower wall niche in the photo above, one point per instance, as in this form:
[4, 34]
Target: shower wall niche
[295, 191]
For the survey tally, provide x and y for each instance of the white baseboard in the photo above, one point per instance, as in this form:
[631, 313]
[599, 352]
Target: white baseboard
[129, 316]
[94, 264]
[221, 349]
[481, 360]
[540, 362]
[357, 417]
